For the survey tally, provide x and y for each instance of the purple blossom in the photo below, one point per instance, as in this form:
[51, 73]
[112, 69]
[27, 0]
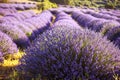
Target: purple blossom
[65, 22]
[19, 7]
[102, 25]
[63, 19]
[117, 42]
[7, 11]
[84, 18]
[17, 35]
[7, 46]
[76, 14]
[17, 16]
[96, 24]
[67, 53]
[34, 29]
[104, 16]
[41, 21]
[61, 16]
[27, 14]
[23, 27]
[113, 33]
[108, 25]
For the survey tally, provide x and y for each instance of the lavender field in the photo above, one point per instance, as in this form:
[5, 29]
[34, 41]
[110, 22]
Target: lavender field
[63, 43]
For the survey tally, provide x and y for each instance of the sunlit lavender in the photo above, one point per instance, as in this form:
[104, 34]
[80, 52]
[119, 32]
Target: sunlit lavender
[65, 53]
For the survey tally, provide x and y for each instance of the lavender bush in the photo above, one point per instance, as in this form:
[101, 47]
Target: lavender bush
[94, 24]
[64, 19]
[23, 27]
[66, 22]
[108, 25]
[102, 25]
[27, 14]
[70, 54]
[114, 35]
[84, 18]
[117, 42]
[41, 21]
[75, 14]
[7, 46]
[61, 16]
[17, 35]
[104, 16]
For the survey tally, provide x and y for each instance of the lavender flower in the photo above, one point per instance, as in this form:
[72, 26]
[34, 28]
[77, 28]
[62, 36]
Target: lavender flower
[17, 35]
[27, 14]
[24, 28]
[34, 29]
[113, 33]
[96, 24]
[41, 21]
[64, 19]
[76, 14]
[19, 7]
[83, 19]
[108, 25]
[17, 16]
[117, 42]
[70, 54]
[61, 16]
[7, 46]
[104, 16]
[65, 22]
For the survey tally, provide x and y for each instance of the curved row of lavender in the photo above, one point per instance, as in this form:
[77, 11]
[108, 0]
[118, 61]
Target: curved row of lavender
[25, 26]
[97, 21]
[63, 19]
[41, 21]
[19, 6]
[17, 35]
[66, 50]
[7, 11]
[70, 54]
[7, 46]
[19, 16]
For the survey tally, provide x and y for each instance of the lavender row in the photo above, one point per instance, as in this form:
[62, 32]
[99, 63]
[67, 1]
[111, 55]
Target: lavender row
[69, 54]
[63, 19]
[17, 35]
[22, 31]
[18, 6]
[105, 14]
[41, 21]
[17, 16]
[102, 15]
[7, 11]
[94, 20]
[7, 46]
[107, 27]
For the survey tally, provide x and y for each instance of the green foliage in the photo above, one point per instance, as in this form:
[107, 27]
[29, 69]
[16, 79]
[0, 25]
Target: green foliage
[111, 4]
[46, 4]
[74, 2]
[90, 3]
